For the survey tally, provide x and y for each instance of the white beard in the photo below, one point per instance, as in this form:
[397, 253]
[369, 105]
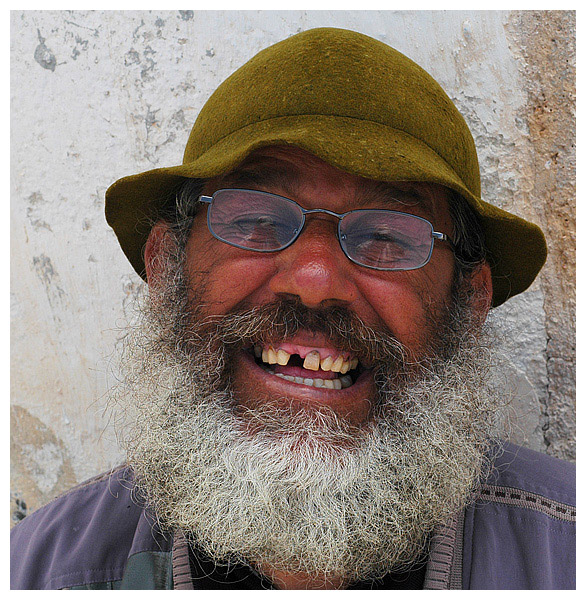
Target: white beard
[304, 492]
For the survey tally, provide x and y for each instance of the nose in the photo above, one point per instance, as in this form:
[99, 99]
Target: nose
[314, 269]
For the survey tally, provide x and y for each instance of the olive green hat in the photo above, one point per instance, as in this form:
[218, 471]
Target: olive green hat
[359, 105]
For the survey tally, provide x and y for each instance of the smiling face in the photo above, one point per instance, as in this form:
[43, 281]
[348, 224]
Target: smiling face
[312, 417]
[308, 369]
[298, 392]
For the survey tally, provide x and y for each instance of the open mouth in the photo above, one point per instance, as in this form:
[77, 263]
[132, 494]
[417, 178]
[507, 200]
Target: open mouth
[315, 367]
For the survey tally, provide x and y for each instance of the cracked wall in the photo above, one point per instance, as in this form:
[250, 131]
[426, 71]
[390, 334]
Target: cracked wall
[548, 66]
[96, 95]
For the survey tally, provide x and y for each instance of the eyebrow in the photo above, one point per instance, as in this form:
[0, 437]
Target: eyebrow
[268, 173]
[264, 173]
[402, 193]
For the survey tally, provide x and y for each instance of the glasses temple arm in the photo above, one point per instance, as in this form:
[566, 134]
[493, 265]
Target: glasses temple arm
[442, 237]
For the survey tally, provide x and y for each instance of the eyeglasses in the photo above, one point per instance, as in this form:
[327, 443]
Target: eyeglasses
[386, 240]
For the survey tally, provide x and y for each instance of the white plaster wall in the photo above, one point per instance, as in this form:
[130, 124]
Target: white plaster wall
[99, 95]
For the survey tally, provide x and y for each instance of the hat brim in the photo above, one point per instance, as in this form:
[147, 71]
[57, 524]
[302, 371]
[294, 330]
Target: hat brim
[517, 248]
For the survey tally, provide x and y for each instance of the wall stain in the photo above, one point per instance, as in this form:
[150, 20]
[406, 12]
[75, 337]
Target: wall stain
[131, 58]
[79, 43]
[20, 510]
[51, 282]
[46, 272]
[43, 55]
[94, 30]
[41, 466]
[146, 71]
[34, 200]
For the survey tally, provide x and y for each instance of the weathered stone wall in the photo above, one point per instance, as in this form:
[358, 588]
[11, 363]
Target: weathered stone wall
[541, 43]
[99, 95]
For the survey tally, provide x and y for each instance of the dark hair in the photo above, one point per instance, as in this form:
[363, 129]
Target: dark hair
[181, 208]
[468, 237]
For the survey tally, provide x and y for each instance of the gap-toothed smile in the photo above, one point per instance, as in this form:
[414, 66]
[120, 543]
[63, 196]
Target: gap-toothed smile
[316, 367]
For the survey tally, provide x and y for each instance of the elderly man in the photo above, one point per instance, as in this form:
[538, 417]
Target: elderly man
[307, 393]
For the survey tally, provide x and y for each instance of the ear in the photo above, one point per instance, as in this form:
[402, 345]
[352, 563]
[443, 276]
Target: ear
[481, 284]
[154, 250]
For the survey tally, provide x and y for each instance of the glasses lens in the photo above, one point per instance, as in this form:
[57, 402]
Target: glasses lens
[386, 240]
[254, 220]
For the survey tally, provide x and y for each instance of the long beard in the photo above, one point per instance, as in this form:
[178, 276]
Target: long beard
[302, 490]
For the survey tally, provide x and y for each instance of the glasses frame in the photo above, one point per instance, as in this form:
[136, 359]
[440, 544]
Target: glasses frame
[435, 235]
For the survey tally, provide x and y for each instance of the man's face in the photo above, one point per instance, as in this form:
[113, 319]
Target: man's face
[315, 272]
[333, 482]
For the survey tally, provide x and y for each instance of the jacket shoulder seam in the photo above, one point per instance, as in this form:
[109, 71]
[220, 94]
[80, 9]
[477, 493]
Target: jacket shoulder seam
[524, 499]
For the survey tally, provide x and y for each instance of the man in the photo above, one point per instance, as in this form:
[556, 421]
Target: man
[307, 392]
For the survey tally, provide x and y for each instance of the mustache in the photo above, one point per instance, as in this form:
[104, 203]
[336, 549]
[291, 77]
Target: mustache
[284, 318]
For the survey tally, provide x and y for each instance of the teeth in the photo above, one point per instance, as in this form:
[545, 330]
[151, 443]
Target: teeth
[311, 361]
[337, 366]
[332, 384]
[346, 381]
[282, 357]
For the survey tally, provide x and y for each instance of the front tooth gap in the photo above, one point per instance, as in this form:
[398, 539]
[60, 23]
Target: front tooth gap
[312, 360]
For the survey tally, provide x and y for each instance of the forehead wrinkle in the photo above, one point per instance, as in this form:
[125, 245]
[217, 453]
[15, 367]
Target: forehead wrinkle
[264, 173]
[271, 173]
[397, 195]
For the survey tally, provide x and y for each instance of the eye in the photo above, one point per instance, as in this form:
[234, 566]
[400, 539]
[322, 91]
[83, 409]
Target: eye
[382, 246]
[379, 238]
[260, 232]
[250, 223]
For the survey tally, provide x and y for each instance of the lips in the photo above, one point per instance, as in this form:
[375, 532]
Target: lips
[319, 367]
[258, 385]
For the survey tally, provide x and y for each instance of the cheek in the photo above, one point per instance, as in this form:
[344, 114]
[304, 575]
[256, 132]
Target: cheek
[221, 276]
[407, 303]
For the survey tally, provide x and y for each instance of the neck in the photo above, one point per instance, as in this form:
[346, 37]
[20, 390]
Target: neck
[287, 580]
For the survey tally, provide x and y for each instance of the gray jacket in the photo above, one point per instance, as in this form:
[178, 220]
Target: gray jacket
[519, 533]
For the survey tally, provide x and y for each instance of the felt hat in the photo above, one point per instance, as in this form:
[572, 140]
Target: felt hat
[356, 103]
